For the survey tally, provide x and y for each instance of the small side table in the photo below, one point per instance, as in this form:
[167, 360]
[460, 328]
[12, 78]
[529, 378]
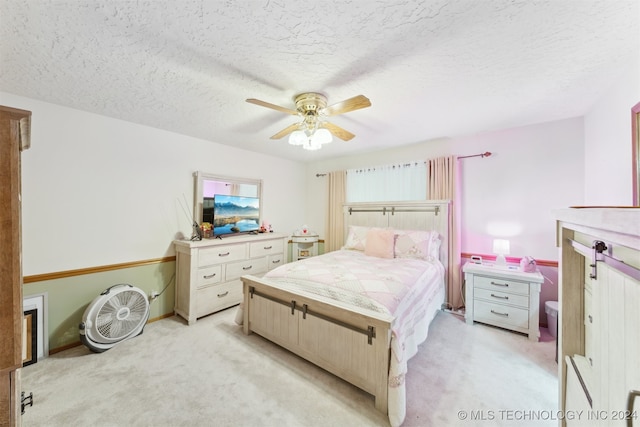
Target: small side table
[304, 246]
[503, 297]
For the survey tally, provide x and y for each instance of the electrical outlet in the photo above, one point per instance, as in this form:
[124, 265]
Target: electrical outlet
[154, 295]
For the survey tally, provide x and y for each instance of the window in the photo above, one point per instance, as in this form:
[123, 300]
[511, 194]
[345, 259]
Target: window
[398, 182]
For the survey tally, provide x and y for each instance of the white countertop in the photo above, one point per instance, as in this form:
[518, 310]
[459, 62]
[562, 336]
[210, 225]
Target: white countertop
[511, 271]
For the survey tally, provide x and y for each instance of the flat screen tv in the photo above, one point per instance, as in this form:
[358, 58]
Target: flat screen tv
[235, 214]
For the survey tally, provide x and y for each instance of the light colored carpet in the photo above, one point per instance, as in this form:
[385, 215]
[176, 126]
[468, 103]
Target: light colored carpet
[211, 374]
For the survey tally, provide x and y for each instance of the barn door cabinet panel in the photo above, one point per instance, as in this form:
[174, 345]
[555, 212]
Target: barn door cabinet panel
[599, 315]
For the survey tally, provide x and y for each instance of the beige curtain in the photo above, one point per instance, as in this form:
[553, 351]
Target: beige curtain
[334, 238]
[444, 184]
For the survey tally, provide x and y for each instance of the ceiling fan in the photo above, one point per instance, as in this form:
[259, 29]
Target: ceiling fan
[313, 129]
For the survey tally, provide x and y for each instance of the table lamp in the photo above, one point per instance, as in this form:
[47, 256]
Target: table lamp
[501, 248]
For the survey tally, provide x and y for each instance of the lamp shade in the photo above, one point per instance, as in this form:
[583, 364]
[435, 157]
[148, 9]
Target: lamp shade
[501, 248]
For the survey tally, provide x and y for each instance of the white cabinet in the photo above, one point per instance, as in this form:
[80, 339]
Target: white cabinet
[208, 271]
[599, 324]
[503, 297]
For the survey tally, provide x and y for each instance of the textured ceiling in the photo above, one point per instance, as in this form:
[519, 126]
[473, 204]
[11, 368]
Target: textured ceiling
[431, 68]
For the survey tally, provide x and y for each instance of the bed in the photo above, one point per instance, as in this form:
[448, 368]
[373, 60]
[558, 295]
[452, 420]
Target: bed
[360, 312]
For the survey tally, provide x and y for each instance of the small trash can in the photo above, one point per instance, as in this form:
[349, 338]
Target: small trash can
[551, 308]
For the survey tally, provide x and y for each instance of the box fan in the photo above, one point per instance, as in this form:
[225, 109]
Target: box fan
[120, 312]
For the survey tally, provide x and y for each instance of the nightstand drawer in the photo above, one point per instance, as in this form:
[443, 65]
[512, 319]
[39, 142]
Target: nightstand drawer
[504, 285]
[494, 296]
[500, 315]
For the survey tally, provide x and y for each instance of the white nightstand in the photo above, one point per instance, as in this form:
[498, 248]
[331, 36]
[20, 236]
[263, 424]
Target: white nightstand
[504, 297]
[304, 246]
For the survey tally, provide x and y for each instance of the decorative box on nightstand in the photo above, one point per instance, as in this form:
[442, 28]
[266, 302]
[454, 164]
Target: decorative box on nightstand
[503, 297]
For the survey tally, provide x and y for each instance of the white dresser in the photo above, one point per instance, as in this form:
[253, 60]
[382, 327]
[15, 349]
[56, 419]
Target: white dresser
[208, 271]
[599, 316]
[503, 297]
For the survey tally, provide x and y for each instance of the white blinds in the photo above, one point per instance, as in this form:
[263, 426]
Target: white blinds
[397, 182]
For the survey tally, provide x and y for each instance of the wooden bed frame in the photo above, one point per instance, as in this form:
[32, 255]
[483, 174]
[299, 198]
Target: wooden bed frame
[352, 343]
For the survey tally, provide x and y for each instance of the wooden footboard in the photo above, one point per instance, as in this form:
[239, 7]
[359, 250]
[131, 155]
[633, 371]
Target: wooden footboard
[352, 344]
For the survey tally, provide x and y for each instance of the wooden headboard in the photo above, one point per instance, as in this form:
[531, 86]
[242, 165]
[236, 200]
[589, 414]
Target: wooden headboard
[418, 215]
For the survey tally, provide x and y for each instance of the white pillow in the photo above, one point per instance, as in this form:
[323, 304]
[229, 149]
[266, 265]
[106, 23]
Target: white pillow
[356, 238]
[418, 244]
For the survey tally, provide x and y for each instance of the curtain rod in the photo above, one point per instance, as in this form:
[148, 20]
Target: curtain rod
[485, 154]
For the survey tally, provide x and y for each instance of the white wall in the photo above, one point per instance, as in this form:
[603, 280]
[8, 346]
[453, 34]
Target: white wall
[533, 170]
[99, 191]
[608, 159]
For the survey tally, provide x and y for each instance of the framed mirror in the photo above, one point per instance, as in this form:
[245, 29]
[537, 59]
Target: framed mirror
[208, 185]
[635, 140]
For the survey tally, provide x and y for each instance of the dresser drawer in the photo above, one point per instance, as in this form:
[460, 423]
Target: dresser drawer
[494, 296]
[500, 315]
[274, 261]
[217, 297]
[209, 276]
[269, 247]
[217, 255]
[250, 266]
[504, 285]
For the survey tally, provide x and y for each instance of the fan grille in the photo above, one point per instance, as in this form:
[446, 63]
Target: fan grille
[121, 314]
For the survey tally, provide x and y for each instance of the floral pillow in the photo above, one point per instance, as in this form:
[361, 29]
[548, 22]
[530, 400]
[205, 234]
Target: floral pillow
[380, 243]
[417, 244]
[356, 238]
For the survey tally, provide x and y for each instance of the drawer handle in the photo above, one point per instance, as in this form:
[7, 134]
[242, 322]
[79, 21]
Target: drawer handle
[276, 261]
[499, 296]
[247, 268]
[267, 247]
[209, 276]
[224, 294]
[506, 285]
[224, 254]
[500, 314]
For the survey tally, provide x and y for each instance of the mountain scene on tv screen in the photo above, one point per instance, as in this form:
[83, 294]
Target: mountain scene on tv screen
[231, 215]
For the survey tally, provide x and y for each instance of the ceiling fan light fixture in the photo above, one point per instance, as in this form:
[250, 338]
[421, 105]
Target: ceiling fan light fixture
[313, 131]
[321, 136]
[298, 137]
[311, 145]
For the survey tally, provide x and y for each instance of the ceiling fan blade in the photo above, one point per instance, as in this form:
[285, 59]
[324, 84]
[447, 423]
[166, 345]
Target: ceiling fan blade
[286, 131]
[351, 104]
[343, 134]
[272, 106]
